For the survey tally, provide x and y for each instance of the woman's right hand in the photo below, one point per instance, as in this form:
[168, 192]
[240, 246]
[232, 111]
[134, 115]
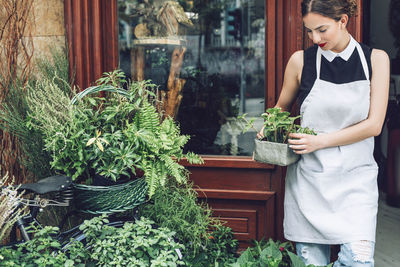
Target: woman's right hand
[260, 134]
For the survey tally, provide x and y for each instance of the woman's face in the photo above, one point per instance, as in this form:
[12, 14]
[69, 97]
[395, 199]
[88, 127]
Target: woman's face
[324, 31]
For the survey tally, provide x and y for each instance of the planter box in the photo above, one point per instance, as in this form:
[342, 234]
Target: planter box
[274, 153]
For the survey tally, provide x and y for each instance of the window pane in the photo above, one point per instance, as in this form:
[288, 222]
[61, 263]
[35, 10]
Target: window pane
[207, 58]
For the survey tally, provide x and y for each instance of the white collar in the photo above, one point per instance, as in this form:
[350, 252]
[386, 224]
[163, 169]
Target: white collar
[345, 54]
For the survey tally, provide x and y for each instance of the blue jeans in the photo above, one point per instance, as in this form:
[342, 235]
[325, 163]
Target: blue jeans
[354, 254]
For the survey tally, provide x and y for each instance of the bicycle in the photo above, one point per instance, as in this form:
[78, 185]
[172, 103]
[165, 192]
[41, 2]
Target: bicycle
[61, 187]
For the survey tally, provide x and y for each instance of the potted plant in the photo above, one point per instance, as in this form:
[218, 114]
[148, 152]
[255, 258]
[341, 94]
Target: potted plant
[273, 147]
[115, 135]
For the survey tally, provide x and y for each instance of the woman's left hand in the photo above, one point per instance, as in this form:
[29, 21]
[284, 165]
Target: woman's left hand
[304, 143]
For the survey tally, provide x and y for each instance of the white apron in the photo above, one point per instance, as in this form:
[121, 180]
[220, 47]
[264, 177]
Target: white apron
[331, 195]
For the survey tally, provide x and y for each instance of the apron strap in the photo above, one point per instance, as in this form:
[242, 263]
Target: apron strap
[363, 60]
[318, 65]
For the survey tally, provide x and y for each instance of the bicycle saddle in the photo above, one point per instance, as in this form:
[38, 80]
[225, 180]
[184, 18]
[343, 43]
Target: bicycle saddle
[49, 184]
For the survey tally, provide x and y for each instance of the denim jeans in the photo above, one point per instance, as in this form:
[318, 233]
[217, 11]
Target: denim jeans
[354, 254]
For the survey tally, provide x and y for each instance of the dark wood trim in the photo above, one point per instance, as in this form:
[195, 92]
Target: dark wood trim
[97, 38]
[229, 162]
[92, 38]
[235, 194]
[270, 55]
[110, 34]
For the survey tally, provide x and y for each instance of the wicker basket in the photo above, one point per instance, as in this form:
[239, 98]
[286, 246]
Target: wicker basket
[108, 199]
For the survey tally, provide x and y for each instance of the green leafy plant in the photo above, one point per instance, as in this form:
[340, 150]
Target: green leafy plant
[44, 251]
[270, 253]
[222, 246]
[277, 125]
[207, 241]
[176, 207]
[113, 134]
[134, 244]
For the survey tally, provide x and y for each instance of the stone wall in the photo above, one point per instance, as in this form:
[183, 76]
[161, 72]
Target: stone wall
[49, 29]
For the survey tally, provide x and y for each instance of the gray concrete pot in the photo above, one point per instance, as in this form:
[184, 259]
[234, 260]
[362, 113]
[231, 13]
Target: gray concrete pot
[274, 153]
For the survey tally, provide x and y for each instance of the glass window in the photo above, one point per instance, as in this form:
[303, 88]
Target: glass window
[207, 56]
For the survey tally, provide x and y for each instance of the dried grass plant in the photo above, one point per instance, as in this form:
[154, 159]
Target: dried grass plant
[9, 214]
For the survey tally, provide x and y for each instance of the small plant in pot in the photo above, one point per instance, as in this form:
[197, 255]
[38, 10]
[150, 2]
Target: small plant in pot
[273, 147]
[116, 135]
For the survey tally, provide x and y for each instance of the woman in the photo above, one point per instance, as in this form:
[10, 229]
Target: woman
[331, 194]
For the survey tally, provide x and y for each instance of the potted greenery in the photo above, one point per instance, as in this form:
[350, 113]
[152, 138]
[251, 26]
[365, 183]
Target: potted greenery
[116, 135]
[273, 147]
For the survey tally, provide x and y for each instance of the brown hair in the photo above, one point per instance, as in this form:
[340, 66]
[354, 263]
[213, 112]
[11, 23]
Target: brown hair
[333, 9]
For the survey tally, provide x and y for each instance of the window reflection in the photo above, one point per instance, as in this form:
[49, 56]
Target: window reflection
[208, 69]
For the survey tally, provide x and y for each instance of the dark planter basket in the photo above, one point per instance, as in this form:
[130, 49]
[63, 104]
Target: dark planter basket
[104, 197]
[110, 199]
[274, 153]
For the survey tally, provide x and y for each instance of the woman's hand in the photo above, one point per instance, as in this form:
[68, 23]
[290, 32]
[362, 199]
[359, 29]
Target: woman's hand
[260, 134]
[305, 143]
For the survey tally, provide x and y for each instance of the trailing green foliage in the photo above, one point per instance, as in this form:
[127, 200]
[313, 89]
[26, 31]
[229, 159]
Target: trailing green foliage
[277, 125]
[134, 244]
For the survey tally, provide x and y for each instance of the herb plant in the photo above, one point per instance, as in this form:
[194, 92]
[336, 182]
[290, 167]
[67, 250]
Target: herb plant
[44, 251]
[134, 244]
[277, 125]
[176, 207]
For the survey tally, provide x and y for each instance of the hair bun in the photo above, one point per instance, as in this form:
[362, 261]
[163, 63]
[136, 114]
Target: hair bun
[351, 7]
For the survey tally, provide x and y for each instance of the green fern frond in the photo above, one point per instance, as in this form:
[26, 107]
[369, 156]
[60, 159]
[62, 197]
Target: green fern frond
[193, 158]
[162, 173]
[151, 176]
[148, 117]
[174, 169]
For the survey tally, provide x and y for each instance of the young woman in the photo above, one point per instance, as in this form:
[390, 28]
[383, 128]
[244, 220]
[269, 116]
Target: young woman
[331, 194]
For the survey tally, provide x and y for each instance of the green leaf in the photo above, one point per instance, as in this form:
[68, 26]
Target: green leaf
[296, 261]
[91, 141]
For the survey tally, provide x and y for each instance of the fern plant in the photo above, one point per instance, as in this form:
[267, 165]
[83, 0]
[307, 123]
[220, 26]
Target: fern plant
[114, 134]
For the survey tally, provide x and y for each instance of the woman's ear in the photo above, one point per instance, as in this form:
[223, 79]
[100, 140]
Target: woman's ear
[343, 21]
